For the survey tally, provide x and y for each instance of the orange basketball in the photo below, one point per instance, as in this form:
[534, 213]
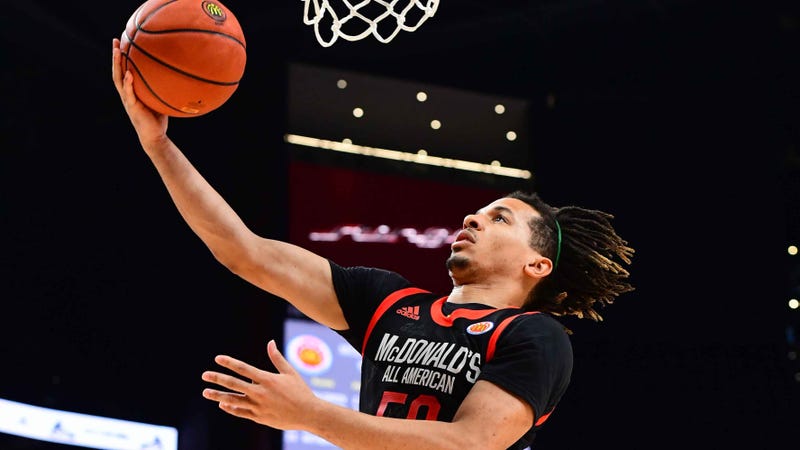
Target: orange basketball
[186, 56]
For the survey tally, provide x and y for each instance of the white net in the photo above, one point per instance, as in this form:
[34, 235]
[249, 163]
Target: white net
[355, 20]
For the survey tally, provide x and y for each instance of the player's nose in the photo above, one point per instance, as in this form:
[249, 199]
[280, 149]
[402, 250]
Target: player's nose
[471, 221]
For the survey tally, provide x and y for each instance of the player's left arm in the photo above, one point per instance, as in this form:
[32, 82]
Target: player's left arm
[495, 414]
[489, 418]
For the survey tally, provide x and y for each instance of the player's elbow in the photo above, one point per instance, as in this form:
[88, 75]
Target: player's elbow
[485, 437]
[484, 441]
[235, 255]
[238, 262]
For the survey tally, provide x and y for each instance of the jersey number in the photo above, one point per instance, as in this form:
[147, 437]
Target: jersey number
[427, 401]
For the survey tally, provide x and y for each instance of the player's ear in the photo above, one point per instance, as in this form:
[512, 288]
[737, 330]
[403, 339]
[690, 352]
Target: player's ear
[539, 267]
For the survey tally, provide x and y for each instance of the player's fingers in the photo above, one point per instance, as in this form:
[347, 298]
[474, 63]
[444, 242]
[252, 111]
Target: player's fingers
[128, 96]
[232, 403]
[224, 396]
[115, 69]
[227, 381]
[123, 80]
[277, 358]
[238, 411]
[240, 367]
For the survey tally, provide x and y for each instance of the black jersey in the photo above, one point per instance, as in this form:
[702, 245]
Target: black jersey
[421, 355]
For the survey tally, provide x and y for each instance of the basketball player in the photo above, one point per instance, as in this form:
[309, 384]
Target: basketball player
[485, 365]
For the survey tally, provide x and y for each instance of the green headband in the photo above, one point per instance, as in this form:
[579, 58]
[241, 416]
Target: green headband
[558, 251]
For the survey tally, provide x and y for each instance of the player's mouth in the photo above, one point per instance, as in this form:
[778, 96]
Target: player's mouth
[462, 237]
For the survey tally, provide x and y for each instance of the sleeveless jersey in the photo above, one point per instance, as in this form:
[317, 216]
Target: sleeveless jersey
[421, 355]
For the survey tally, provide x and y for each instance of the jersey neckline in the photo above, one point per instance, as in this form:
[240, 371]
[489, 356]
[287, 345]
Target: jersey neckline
[470, 311]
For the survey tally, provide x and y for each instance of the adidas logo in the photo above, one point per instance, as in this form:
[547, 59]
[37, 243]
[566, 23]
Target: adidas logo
[412, 312]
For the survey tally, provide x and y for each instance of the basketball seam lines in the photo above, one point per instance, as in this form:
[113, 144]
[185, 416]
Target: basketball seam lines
[182, 72]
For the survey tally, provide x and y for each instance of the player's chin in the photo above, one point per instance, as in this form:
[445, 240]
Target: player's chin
[456, 261]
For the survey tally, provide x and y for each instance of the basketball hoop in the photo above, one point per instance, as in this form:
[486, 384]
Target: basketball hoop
[353, 20]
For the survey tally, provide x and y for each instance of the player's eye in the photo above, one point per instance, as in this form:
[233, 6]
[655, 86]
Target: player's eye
[500, 218]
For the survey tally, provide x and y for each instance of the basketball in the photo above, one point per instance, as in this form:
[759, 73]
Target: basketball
[186, 56]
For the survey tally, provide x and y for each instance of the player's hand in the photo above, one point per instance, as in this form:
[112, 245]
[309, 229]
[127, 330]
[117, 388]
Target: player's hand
[151, 127]
[278, 400]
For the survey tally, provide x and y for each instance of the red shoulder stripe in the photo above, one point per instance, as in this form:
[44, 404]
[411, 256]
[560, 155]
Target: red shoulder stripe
[493, 344]
[543, 418]
[387, 303]
[499, 330]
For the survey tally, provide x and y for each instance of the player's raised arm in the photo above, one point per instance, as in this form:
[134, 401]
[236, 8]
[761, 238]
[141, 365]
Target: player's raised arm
[295, 274]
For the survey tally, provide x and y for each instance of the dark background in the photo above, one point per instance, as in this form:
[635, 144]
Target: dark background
[680, 117]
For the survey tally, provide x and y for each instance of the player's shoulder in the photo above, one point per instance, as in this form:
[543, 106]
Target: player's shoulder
[361, 273]
[535, 324]
[366, 282]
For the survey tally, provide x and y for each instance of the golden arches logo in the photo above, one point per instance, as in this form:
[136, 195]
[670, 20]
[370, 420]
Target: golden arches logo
[214, 11]
[480, 327]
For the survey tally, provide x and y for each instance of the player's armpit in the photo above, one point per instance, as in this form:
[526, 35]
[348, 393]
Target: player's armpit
[292, 273]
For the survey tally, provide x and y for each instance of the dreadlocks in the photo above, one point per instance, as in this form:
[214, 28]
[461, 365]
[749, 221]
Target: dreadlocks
[587, 255]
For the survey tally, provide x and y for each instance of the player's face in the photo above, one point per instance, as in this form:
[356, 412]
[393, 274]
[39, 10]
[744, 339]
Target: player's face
[495, 240]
